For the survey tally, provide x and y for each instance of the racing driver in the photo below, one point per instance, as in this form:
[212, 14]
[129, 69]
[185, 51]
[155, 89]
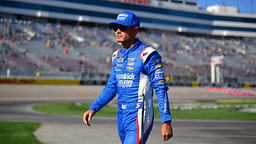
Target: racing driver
[136, 70]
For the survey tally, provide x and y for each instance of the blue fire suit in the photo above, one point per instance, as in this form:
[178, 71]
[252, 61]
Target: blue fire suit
[134, 74]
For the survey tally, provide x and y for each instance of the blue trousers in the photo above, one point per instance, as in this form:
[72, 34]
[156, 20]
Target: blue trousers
[129, 121]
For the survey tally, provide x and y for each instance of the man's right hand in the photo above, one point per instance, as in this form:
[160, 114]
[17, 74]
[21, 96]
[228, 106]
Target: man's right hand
[87, 117]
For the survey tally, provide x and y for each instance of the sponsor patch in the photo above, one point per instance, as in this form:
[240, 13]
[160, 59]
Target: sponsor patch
[125, 83]
[158, 66]
[129, 68]
[145, 53]
[125, 80]
[156, 61]
[124, 106]
[131, 63]
[159, 76]
[158, 71]
[122, 17]
[125, 76]
[131, 59]
[120, 59]
[138, 105]
[161, 82]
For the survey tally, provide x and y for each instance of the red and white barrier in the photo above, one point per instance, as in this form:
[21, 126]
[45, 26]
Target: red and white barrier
[233, 91]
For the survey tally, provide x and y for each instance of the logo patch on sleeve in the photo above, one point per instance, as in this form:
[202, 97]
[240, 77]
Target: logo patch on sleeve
[158, 66]
[158, 71]
[145, 53]
[156, 61]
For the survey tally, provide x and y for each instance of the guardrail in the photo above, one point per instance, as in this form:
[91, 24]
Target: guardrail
[37, 81]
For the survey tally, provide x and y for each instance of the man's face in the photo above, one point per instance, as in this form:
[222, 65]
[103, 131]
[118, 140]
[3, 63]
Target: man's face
[124, 33]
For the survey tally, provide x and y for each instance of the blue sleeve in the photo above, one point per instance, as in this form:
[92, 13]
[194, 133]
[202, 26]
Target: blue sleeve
[154, 70]
[107, 94]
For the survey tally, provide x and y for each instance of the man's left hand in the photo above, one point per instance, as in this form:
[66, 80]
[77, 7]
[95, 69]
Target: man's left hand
[166, 131]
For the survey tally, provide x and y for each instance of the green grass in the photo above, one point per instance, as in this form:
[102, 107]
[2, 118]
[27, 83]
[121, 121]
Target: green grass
[18, 133]
[231, 102]
[195, 114]
[212, 114]
[72, 109]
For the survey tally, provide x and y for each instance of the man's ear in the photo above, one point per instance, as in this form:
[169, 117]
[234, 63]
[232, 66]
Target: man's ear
[135, 30]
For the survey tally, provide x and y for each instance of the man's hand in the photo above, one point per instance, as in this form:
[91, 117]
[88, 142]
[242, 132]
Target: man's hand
[87, 117]
[166, 131]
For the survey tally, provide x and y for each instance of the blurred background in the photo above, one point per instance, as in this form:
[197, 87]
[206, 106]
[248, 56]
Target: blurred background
[202, 43]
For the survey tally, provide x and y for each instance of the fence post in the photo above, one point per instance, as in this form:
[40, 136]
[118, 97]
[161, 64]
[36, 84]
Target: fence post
[8, 73]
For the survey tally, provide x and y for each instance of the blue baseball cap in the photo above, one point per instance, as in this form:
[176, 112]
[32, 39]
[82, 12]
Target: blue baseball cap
[127, 18]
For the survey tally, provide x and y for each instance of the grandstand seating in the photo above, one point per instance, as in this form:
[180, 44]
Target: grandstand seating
[90, 48]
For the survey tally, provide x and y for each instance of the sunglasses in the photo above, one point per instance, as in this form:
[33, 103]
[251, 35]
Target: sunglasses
[121, 27]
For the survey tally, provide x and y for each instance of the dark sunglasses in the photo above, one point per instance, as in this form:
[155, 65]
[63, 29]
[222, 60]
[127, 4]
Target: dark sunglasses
[121, 27]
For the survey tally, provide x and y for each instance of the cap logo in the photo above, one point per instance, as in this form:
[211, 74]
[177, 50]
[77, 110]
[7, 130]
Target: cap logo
[122, 16]
[126, 18]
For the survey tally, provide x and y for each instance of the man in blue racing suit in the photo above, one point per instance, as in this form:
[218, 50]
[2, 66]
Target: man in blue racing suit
[136, 70]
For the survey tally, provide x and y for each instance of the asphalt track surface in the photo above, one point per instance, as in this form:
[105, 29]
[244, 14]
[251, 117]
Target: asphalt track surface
[16, 102]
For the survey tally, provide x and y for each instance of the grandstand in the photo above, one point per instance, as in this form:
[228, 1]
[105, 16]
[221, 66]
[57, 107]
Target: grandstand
[71, 39]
